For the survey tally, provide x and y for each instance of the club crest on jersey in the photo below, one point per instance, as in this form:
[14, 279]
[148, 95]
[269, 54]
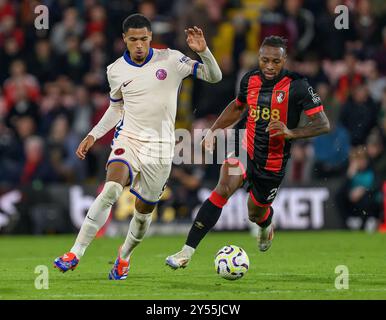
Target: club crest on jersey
[161, 74]
[119, 151]
[280, 96]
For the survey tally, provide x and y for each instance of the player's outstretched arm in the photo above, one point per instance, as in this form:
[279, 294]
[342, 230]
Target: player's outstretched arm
[84, 146]
[318, 124]
[229, 117]
[209, 69]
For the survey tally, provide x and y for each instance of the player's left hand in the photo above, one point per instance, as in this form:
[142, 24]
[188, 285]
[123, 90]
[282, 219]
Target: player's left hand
[195, 39]
[278, 128]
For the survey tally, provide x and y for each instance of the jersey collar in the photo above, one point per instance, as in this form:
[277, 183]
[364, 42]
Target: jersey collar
[126, 56]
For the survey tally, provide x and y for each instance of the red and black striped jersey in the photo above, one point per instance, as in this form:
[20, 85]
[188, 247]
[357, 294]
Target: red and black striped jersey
[283, 99]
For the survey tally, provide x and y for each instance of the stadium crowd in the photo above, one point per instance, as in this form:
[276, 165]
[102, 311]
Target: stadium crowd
[53, 86]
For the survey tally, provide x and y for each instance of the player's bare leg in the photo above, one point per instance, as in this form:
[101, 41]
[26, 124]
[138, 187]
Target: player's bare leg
[138, 227]
[262, 216]
[208, 214]
[116, 178]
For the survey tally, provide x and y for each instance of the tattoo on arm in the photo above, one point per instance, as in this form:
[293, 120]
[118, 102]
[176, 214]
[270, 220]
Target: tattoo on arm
[318, 124]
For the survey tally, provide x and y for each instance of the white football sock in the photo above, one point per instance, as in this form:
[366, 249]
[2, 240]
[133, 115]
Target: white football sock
[139, 224]
[96, 216]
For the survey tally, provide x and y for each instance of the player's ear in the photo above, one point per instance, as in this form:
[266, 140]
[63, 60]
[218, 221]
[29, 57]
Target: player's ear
[284, 57]
[124, 37]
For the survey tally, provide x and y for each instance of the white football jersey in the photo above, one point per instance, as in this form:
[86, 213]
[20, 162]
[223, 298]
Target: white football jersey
[148, 95]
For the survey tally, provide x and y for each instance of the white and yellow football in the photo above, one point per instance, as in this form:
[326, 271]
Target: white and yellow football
[231, 262]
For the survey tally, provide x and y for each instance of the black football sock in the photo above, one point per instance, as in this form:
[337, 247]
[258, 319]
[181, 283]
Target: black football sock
[267, 219]
[206, 219]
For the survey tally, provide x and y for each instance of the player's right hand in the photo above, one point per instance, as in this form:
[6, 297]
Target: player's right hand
[84, 146]
[207, 143]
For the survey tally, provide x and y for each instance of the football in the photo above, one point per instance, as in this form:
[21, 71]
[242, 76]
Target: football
[231, 262]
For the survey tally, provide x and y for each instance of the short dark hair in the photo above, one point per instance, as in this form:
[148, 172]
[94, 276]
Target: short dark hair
[275, 41]
[136, 21]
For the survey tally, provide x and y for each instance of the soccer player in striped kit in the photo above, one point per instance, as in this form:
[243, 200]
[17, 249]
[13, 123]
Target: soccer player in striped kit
[144, 85]
[273, 99]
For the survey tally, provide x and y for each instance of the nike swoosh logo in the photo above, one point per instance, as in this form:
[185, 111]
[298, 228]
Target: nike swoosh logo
[90, 218]
[126, 83]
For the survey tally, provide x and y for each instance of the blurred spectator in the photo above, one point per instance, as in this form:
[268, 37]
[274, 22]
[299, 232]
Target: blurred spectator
[97, 21]
[10, 52]
[73, 62]
[84, 112]
[95, 42]
[71, 25]
[196, 13]
[382, 114]
[365, 23]
[301, 24]
[377, 155]
[380, 54]
[27, 17]
[241, 27]
[51, 106]
[273, 22]
[36, 166]
[210, 99]
[356, 199]
[185, 181]
[300, 164]
[19, 78]
[43, 63]
[22, 106]
[62, 145]
[333, 108]
[6, 9]
[348, 82]
[161, 27]
[11, 156]
[117, 11]
[359, 115]
[331, 151]
[8, 29]
[331, 42]
[311, 67]
[376, 83]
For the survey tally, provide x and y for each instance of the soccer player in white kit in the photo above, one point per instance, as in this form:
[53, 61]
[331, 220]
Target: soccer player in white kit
[144, 85]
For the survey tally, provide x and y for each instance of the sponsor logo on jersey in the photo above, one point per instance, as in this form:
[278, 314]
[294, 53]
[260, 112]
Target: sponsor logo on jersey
[161, 74]
[119, 151]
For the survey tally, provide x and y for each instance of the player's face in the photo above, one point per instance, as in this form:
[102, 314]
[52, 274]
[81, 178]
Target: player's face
[138, 43]
[271, 61]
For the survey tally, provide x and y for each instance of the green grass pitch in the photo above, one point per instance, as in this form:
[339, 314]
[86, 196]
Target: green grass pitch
[299, 265]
